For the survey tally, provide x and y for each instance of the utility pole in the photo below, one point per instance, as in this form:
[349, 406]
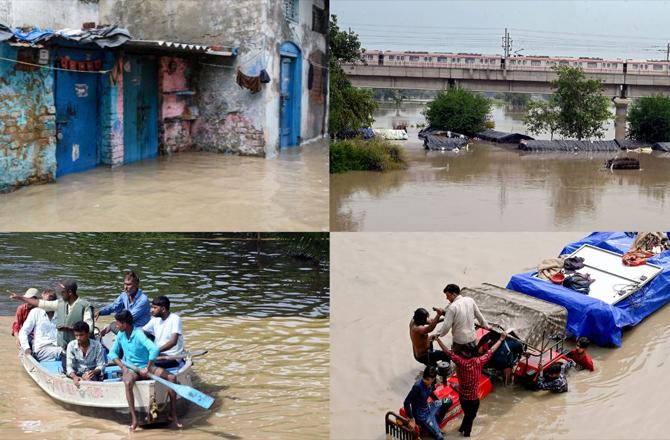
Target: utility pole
[667, 53]
[507, 44]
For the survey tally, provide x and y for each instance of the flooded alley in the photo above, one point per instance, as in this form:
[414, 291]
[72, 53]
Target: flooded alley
[196, 191]
[496, 187]
[382, 278]
[262, 315]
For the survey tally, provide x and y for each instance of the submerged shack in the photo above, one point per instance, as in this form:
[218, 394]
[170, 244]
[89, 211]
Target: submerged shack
[440, 143]
[502, 137]
[568, 145]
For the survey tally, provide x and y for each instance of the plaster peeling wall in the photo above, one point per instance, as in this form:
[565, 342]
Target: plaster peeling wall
[178, 111]
[27, 125]
[54, 14]
[111, 112]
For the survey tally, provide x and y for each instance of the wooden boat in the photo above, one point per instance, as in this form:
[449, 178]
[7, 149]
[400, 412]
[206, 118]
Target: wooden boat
[151, 398]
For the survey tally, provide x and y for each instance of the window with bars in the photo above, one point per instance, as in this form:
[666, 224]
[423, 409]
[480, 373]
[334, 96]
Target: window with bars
[319, 20]
[292, 10]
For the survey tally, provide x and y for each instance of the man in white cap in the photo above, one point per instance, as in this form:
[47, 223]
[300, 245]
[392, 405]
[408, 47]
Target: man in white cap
[23, 310]
[43, 326]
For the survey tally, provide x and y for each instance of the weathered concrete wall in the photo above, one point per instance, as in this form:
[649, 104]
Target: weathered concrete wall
[178, 111]
[49, 13]
[27, 124]
[111, 111]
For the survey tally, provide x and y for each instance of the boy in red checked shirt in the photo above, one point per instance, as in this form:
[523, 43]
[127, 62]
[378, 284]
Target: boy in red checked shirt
[580, 356]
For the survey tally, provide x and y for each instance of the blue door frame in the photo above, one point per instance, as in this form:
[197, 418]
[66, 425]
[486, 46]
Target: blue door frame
[291, 95]
[77, 114]
[140, 108]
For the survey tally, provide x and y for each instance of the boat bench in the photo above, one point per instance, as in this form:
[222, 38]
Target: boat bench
[112, 374]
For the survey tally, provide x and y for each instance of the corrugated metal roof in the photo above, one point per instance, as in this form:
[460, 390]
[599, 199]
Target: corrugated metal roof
[174, 46]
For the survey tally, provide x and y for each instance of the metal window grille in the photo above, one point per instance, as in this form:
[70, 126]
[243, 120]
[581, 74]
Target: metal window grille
[291, 10]
[319, 20]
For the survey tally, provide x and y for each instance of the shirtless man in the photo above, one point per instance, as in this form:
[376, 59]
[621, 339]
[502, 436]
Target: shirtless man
[419, 329]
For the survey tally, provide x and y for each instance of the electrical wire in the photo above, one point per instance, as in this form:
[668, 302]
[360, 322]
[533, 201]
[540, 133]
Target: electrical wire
[52, 67]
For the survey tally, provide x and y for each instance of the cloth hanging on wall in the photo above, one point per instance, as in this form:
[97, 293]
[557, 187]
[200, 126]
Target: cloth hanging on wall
[252, 83]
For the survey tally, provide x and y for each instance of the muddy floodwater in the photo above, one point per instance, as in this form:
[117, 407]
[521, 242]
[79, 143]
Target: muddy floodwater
[496, 187]
[380, 279]
[263, 318]
[195, 191]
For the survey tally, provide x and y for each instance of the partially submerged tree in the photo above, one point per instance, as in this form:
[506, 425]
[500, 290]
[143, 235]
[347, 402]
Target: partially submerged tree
[459, 110]
[350, 108]
[649, 119]
[584, 109]
[542, 117]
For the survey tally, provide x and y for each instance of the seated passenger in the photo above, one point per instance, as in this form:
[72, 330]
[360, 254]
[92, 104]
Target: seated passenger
[580, 356]
[553, 378]
[42, 325]
[22, 311]
[505, 357]
[428, 415]
[167, 331]
[139, 354]
[85, 356]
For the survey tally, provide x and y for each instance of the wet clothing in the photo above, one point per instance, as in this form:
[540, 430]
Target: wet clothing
[469, 372]
[558, 385]
[79, 363]
[431, 357]
[45, 335]
[20, 317]
[460, 319]
[506, 356]
[163, 329]
[252, 83]
[583, 360]
[68, 315]
[140, 308]
[427, 415]
[138, 350]
[470, 408]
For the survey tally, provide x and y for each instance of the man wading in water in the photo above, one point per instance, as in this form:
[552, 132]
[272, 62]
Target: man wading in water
[419, 328]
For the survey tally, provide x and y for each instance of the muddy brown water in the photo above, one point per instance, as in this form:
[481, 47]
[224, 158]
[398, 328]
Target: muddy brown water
[494, 187]
[264, 318]
[195, 191]
[379, 279]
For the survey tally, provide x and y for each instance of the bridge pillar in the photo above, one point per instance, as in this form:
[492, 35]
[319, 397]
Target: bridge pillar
[621, 107]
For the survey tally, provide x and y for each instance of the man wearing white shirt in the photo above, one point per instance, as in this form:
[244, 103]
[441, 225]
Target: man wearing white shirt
[460, 317]
[43, 324]
[167, 330]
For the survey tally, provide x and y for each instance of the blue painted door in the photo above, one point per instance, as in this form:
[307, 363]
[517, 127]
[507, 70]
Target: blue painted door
[286, 106]
[76, 95]
[140, 108]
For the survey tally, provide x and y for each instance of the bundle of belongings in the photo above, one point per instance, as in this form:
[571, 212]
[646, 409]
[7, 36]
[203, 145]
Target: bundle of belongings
[645, 246]
[563, 270]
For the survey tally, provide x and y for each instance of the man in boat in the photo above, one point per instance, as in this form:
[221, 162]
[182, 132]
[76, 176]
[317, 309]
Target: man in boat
[166, 329]
[45, 335]
[418, 410]
[85, 356]
[132, 298]
[70, 308]
[22, 311]
[139, 355]
[469, 370]
[419, 330]
[459, 317]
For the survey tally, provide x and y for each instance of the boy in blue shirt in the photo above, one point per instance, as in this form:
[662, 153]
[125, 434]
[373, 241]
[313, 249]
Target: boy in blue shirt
[140, 352]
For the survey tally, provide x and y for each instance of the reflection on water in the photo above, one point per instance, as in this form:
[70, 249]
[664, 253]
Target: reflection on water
[186, 192]
[380, 279]
[494, 187]
[263, 319]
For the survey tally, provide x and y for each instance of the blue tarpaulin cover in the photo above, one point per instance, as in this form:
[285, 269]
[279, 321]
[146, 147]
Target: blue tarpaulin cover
[591, 317]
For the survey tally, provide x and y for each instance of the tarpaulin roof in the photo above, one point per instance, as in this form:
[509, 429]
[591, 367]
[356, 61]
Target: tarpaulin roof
[432, 142]
[569, 145]
[502, 137]
[533, 320]
[591, 317]
[109, 36]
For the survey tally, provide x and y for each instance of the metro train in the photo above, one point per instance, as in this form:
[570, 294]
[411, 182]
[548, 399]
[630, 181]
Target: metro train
[517, 62]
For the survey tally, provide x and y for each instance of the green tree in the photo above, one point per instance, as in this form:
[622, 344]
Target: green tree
[583, 108]
[350, 108]
[459, 110]
[542, 117]
[649, 119]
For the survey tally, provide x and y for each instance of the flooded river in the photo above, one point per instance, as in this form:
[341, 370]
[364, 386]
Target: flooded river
[195, 191]
[380, 279]
[264, 319]
[494, 187]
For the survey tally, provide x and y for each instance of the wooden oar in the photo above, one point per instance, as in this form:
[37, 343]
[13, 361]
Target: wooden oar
[185, 391]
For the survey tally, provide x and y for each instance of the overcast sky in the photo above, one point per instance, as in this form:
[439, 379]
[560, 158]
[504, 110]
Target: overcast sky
[637, 29]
